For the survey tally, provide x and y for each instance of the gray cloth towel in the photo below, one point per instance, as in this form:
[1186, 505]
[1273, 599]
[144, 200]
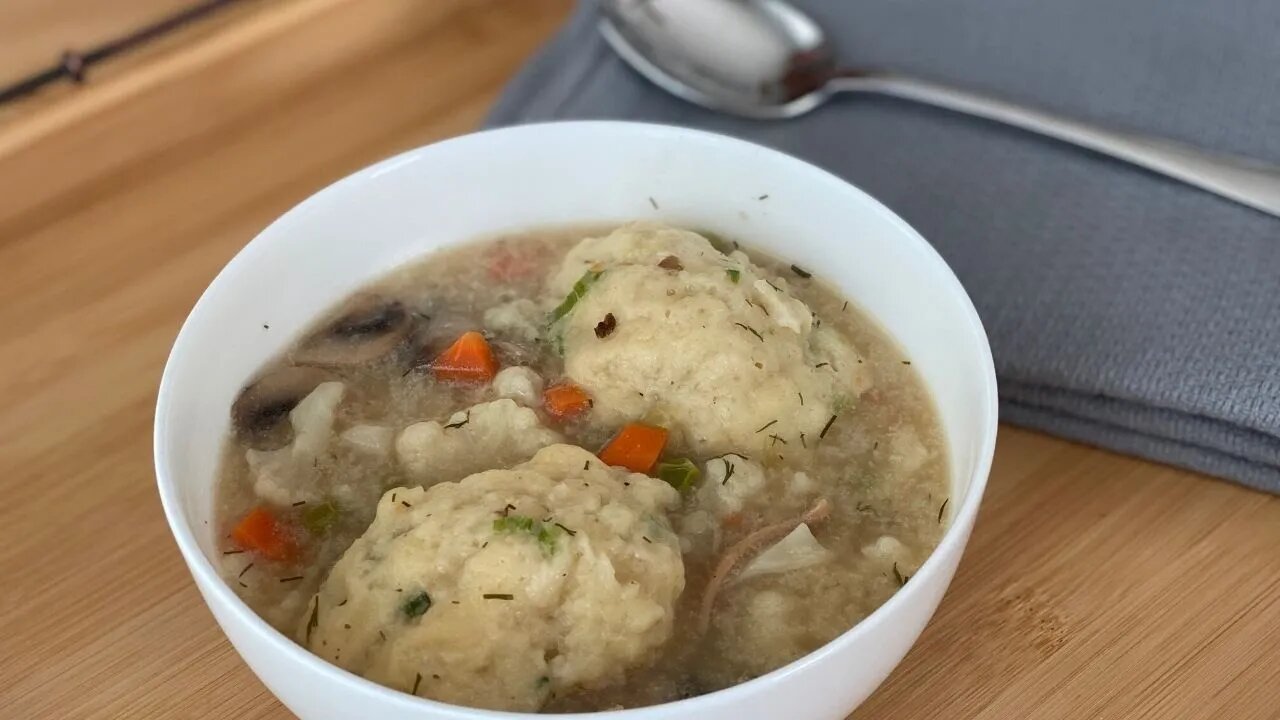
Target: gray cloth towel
[1125, 310]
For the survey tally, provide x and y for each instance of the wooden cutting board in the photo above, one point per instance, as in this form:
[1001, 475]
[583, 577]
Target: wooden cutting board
[1096, 586]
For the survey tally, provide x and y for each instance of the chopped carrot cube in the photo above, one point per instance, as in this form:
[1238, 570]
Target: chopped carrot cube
[636, 447]
[468, 359]
[566, 401]
[262, 533]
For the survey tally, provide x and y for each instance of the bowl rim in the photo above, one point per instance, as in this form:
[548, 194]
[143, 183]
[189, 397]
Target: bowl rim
[216, 590]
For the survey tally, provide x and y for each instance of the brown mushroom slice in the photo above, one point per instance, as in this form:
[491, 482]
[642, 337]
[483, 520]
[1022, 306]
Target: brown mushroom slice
[368, 328]
[260, 413]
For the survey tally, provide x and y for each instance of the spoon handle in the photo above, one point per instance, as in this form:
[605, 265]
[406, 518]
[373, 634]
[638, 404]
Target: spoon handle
[1249, 182]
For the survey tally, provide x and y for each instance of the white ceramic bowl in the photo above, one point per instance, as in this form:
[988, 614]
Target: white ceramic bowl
[525, 177]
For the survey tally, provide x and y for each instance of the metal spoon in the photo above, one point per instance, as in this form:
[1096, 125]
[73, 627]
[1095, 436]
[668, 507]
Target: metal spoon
[765, 59]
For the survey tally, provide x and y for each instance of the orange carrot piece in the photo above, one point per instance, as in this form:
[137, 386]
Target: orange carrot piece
[468, 359]
[566, 401]
[261, 532]
[636, 447]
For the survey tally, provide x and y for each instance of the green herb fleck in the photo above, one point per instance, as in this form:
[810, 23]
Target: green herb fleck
[543, 682]
[513, 524]
[314, 620]
[580, 289]
[548, 536]
[417, 605]
[734, 275]
[897, 575]
[827, 427]
[318, 519]
[680, 474]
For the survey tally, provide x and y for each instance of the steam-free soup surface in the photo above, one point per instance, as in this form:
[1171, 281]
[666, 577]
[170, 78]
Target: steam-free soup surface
[581, 469]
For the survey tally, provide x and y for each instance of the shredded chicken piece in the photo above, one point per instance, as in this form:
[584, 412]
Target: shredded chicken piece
[748, 546]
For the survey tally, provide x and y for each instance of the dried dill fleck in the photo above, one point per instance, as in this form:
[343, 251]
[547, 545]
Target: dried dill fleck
[906, 362]
[300, 502]
[864, 507]
[232, 552]
[393, 497]
[417, 680]
[605, 327]
[460, 423]
[314, 620]
[292, 578]
[646, 538]
[344, 602]
[775, 287]
[766, 426]
[897, 575]
[654, 203]
[845, 306]
[943, 509]
[406, 503]
[763, 197]
[728, 471]
[751, 330]
[821, 365]
[562, 527]
[498, 596]
[777, 439]
[801, 398]
[382, 635]
[246, 569]
[586, 465]
[417, 605]
[827, 427]
[801, 272]
[803, 444]
[671, 262]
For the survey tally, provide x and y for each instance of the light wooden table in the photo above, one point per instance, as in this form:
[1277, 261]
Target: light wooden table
[1095, 586]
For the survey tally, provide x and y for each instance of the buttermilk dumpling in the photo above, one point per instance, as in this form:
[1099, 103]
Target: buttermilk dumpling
[508, 586]
[660, 326]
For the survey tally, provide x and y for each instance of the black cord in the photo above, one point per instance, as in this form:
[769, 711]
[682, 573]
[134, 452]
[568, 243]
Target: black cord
[73, 65]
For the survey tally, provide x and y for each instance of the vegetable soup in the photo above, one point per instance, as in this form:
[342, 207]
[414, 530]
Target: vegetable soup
[581, 469]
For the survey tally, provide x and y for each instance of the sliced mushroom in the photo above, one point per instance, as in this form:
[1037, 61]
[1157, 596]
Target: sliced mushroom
[370, 327]
[260, 413]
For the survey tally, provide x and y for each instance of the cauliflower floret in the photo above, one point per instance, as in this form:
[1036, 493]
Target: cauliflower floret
[521, 384]
[374, 440]
[690, 334]
[280, 475]
[503, 588]
[518, 319]
[488, 435]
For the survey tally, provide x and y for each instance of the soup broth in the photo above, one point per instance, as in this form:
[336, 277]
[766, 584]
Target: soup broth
[779, 536]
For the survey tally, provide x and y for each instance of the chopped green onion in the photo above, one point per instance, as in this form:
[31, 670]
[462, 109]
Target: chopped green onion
[319, 518]
[734, 275]
[580, 288]
[547, 535]
[513, 524]
[549, 538]
[417, 605]
[680, 474]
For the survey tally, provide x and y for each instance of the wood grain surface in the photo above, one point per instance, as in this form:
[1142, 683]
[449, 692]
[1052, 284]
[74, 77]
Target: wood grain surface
[1095, 586]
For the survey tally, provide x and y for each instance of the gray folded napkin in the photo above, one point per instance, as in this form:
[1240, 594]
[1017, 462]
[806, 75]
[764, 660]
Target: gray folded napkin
[1125, 310]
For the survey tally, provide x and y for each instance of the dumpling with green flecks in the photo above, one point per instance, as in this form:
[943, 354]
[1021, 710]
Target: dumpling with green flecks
[507, 586]
[659, 325]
